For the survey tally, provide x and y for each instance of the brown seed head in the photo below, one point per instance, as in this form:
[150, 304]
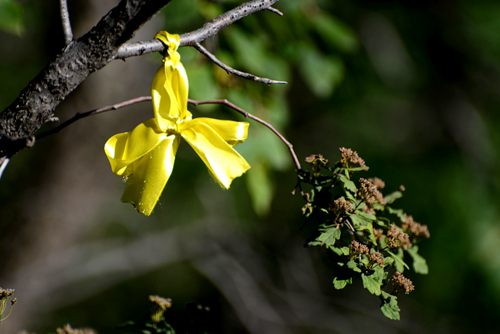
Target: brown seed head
[349, 155]
[400, 282]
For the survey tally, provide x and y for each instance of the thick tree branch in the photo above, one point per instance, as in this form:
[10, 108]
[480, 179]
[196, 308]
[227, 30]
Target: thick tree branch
[68, 33]
[228, 69]
[209, 29]
[36, 103]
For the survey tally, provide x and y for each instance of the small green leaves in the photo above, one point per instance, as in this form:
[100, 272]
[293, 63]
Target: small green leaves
[390, 306]
[329, 236]
[341, 283]
[366, 236]
[371, 284]
[399, 263]
[354, 266]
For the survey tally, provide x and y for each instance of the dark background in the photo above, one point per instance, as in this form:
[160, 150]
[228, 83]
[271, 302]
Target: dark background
[413, 86]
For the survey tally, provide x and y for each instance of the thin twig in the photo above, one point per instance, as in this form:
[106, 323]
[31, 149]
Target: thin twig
[68, 33]
[3, 165]
[229, 70]
[209, 29]
[90, 113]
[255, 118]
[274, 10]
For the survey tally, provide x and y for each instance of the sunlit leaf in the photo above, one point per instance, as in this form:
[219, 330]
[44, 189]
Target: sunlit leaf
[329, 236]
[341, 283]
[399, 264]
[390, 308]
[419, 263]
[371, 284]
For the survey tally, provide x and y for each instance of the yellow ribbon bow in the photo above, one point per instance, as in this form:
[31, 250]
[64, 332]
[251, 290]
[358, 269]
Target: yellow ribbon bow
[146, 155]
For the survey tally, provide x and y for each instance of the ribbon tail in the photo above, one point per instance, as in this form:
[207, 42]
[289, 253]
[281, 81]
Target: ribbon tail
[224, 162]
[150, 175]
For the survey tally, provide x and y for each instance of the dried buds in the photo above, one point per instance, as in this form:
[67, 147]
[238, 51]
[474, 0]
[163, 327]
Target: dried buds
[351, 156]
[158, 307]
[399, 282]
[397, 238]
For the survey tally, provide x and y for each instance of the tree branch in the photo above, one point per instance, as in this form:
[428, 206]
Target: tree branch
[68, 33]
[228, 69]
[255, 118]
[90, 113]
[209, 29]
[36, 103]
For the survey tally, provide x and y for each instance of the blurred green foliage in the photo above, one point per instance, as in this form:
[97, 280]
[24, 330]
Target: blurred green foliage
[11, 16]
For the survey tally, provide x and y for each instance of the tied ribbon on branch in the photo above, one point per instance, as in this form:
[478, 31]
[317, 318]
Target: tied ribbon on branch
[146, 155]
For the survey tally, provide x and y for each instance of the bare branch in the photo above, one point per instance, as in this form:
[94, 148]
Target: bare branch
[228, 69]
[90, 113]
[209, 29]
[255, 118]
[68, 33]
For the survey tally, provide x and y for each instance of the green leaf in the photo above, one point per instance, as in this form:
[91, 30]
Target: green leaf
[369, 228]
[371, 284]
[398, 212]
[322, 73]
[335, 32]
[11, 16]
[329, 236]
[388, 261]
[347, 184]
[399, 264]
[419, 263]
[390, 308]
[392, 197]
[261, 188]
[353, 265]
[340, 284]
[340, 250]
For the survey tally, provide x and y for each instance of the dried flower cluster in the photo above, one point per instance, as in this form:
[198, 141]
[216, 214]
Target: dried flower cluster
[378, 233]
[5, 294]
[415, 228]
[159, 306]
[377, 182]
[397, 238]
[375, 257]
[68, 330]
[370, 193]
[400, 282]
[351, 156]
[341, 204]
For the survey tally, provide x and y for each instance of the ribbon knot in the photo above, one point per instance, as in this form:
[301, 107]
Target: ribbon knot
[146, 155]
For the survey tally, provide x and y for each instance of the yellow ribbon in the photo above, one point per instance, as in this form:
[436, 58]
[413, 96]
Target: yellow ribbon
[146, 155]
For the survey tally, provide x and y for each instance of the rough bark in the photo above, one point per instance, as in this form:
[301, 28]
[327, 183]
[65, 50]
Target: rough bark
[37, 102]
